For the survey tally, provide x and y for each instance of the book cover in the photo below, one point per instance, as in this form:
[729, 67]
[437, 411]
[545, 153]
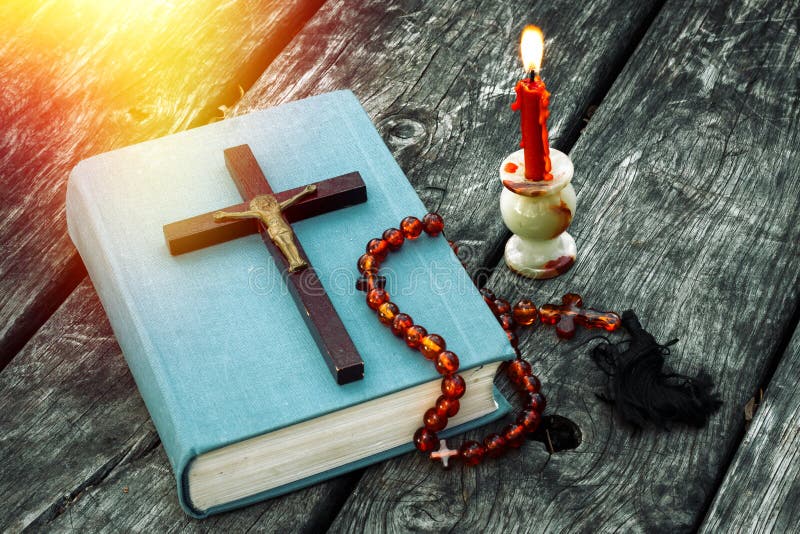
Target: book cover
[213, 339]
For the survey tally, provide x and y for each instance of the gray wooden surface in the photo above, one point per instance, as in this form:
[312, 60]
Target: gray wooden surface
[688, 201]
[761, 491]
[688, 189]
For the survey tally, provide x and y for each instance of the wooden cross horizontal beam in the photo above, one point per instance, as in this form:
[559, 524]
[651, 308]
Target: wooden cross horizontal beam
[203, 231]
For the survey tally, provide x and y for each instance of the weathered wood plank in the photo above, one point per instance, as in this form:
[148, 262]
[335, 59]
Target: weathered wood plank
[486, 86]
[145, 502]
[69, 413]
[82, 79]
[688, 197]
[438, 78]
[74, 427]
[761, 490]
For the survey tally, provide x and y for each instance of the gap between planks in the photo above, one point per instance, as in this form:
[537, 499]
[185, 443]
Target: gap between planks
[785, 350]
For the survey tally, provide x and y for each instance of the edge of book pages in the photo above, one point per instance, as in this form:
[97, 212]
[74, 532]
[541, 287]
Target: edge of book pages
[248, 469]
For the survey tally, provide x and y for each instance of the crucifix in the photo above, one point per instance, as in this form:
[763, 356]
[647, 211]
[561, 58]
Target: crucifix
[270, 214]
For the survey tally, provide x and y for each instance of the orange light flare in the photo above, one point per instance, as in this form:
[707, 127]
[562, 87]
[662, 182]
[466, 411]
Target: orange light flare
[140, 61]
[531, 48]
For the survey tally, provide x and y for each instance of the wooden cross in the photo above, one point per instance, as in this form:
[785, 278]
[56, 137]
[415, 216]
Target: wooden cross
[293, 205]
[571, 312]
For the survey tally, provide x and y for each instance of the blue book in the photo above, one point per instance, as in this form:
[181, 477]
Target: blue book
[233, 380]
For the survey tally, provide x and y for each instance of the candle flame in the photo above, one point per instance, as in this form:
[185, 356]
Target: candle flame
[531, 46]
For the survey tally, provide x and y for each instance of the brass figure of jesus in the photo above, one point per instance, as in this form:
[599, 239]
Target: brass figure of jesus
[267, 209]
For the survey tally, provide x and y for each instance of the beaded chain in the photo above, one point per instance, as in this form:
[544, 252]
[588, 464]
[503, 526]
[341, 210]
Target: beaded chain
[433, 348]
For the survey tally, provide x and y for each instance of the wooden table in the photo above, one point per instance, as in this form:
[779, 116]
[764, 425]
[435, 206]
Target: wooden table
[682, 119]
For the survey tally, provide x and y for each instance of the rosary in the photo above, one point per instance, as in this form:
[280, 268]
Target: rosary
[433, 347]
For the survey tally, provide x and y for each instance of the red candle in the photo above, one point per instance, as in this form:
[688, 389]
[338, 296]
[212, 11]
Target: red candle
[532, 101]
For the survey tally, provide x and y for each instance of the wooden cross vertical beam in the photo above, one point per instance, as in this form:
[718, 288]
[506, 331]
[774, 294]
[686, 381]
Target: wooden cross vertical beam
[305, 287]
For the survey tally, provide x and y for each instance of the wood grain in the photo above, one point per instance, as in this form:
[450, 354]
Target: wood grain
[69, 413]
[83, 79]
[688, 197]
[145, 502]
[83, 454]
[761, 490]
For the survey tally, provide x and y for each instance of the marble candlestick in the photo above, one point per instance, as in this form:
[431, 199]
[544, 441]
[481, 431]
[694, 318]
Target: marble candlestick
[538, 214]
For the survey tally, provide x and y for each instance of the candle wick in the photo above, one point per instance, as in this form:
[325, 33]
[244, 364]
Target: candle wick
[532, 75]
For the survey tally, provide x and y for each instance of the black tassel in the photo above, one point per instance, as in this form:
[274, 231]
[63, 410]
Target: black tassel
[642, 391]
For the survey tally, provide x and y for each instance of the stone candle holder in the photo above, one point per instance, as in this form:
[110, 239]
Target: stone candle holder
[538, 214]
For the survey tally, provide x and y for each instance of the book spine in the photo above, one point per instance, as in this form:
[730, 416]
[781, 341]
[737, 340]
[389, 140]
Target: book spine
[86, 230]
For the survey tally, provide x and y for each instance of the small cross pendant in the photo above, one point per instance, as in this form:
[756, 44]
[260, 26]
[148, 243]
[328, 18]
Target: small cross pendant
[444, 454]
[571, 312]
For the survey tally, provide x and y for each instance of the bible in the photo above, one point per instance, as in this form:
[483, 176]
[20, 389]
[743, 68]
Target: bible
[230, 371]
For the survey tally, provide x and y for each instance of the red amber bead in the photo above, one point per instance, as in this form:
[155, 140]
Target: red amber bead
[387, 312]
[506, 321]
[376, 297]
[394, 238]
[501, 306]
[433, 224]
[411, 227]
[447, 407]
[514, 435]
[518, 369]
[447, 362]
[524, 312]
[426, 440]
[434, 421]
[378, 247]
[431, 345]
[530, 384]
[401, 323]
[494, 444]
[367, 263]
[453, 387]
[536, 401]
[530, 419]
[591, 318]
[414, 335]
[471, 452]
[512, 338]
